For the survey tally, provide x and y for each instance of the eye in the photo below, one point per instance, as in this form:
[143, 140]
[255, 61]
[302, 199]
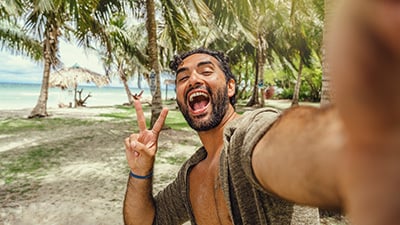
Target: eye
[206, 71]
[183, 77]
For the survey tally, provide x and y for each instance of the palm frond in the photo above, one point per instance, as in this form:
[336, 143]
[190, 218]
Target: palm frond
[14, 39]
[10, 8]
[178, 25]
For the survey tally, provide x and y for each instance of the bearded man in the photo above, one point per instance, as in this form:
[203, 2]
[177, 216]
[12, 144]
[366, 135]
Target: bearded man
[259, 167]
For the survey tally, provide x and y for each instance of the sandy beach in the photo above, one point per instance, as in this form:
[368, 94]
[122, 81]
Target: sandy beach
[82, 174]
[83, 180]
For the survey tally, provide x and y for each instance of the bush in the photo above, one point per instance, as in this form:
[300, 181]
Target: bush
[306, 94]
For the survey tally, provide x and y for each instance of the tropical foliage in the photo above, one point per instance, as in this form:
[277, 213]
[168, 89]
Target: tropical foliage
[45, 22]
[284, 34]
[270, 42]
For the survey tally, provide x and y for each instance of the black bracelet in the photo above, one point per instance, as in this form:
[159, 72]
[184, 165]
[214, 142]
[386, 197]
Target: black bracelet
[141, 177]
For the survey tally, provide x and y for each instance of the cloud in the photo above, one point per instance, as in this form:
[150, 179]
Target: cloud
[19, 69]
[15, 68]
[13, 63]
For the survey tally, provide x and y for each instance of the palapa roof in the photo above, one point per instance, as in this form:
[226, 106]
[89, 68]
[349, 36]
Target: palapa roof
[70, 77]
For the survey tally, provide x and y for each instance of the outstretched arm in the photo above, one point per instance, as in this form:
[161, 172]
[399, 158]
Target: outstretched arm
[348, 156]
[297, 158]
[365, 62]
[140, 150]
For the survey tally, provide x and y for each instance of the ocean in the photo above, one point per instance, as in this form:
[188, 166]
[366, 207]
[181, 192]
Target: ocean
[25, 95]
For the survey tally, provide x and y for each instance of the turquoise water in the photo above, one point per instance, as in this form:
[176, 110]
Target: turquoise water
[21, 96]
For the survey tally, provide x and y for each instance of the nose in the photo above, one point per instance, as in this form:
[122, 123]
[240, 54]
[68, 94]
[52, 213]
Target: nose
[195, 79]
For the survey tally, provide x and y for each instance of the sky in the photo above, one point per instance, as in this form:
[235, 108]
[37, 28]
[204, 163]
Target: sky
[20, 69]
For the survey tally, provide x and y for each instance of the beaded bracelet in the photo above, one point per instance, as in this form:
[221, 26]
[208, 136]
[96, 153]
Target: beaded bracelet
[141, 177]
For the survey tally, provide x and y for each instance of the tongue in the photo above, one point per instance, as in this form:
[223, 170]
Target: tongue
[199, 105]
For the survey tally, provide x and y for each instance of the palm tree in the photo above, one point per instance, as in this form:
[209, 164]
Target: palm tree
[274, 30]
[180, 30]
[306, 32]
[251, 20]
[127, 39]
[130, 61]
[152, 47]
[47, 20]
[128, 53]
[255, 21]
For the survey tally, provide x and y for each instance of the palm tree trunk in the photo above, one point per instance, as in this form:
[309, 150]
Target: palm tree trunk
[257, 92]
[259, 81]
[261, 64]
[40, 110]
[296, 93]
[326, 95]
[242, 94]
[75, 98]
[254, 97]
[156, 102]
[124, 80]
[128, 92]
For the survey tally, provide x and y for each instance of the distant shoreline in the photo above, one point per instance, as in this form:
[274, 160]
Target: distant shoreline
[80, 112]
[36, 83]
[25, 95]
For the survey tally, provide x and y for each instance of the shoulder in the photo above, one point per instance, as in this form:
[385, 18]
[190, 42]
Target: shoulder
[243, 133]
[266, 114]
[254, 120]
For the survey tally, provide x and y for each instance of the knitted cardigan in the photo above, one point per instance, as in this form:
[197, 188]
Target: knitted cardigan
[247, 201]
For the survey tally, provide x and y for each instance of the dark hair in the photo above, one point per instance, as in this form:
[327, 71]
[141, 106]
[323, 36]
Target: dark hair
[221, 58]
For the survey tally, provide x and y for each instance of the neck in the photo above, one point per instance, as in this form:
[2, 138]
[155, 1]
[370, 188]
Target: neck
[212, 140]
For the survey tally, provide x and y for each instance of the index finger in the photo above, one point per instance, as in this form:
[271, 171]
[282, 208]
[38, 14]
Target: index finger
[141, 120]
[158, 125]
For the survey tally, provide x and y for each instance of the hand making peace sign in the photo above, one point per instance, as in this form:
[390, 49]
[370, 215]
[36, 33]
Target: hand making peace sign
[141, 147]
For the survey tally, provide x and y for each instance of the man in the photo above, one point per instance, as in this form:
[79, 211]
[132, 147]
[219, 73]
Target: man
[252, 167]
[214, 194]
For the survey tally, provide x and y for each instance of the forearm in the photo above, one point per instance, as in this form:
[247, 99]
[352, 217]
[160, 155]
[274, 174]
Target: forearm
[298, 157]
[138, 203]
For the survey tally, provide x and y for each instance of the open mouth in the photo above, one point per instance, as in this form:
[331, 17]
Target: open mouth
[198, 101]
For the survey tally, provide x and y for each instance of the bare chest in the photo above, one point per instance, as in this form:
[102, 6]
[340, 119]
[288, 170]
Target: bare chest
[207, 198]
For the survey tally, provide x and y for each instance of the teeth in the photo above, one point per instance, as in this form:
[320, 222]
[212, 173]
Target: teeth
[196, 94]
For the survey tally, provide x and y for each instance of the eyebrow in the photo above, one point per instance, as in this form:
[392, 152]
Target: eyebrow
[182, 69]
[204, 63]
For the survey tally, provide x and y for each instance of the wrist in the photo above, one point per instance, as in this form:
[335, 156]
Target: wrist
[141, 177]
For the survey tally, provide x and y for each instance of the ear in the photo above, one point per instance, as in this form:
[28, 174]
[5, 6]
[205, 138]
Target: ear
[231, 87]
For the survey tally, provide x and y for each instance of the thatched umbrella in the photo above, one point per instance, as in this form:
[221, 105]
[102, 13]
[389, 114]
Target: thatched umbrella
[70, 78]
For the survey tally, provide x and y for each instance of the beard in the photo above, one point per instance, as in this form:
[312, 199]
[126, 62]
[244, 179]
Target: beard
[220, 103]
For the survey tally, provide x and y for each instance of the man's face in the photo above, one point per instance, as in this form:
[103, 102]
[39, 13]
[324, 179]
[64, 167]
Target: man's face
[202, 91]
